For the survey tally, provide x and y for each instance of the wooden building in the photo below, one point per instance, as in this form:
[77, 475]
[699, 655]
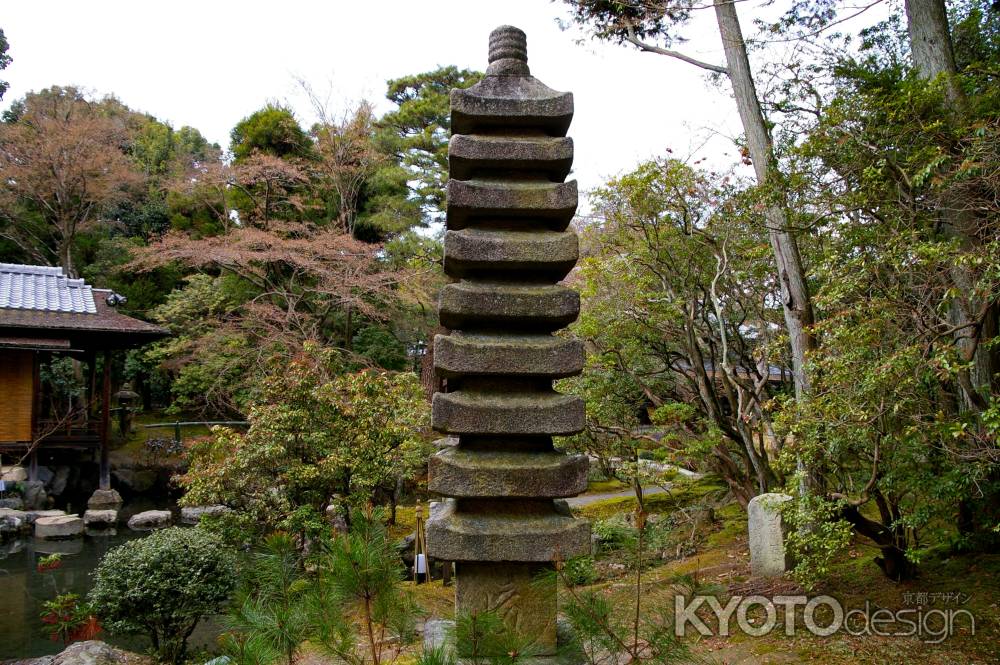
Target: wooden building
[45, 314]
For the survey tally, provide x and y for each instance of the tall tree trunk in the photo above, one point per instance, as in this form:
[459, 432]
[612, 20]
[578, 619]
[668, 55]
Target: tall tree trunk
[930, 43]
[66, 257]
[796, 300]
[933, 56]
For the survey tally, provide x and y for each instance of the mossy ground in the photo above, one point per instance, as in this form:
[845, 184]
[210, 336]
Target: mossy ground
[720, 564]
[602, 486]
[715, 559]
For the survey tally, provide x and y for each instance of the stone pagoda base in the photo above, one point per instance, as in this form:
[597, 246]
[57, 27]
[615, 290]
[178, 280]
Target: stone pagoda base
[440, 634]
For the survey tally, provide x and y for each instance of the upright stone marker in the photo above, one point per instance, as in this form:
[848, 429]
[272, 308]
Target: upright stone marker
[507, 246]
[766, 530]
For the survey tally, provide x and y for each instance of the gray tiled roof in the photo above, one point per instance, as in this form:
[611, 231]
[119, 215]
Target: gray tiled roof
[45, 289]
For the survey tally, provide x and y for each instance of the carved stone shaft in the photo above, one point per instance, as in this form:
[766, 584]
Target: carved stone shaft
[507, 246]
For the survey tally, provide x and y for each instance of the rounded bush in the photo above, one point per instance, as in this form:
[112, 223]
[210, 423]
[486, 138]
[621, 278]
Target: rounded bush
[162, 585]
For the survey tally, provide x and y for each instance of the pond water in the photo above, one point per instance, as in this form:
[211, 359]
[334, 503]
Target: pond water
[23, 589]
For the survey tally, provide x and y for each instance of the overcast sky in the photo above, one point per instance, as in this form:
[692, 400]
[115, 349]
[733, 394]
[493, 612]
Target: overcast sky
[210, 63]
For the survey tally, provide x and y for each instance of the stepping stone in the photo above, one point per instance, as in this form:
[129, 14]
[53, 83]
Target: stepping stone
[62, 526]
[32, 515]
[100, 518]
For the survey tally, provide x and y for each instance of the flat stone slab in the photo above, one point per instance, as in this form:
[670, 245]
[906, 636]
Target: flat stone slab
[545, 254]
[63, 526]
[459, 472]
[98, 518]
[33, 515]
[538, 202]
[460, 354]
[506, 533]
[17, 514]
[150, 519]
[476, 155]
[538, 413]
[542, 308]
[193, 514]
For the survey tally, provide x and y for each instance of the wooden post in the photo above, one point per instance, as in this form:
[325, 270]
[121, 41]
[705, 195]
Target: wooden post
[418, 548]
[36, 397]
[91, 360]
[105, 477]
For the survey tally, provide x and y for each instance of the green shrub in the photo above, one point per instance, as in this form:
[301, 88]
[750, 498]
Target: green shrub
[162, 585]
[614, 532]
[579, 571]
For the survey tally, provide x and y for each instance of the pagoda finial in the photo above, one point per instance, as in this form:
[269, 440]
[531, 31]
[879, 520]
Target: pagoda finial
[508, 52]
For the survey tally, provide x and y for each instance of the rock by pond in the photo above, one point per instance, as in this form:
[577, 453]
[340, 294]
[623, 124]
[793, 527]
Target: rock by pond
[13, 502]
[100, 518]
[34, 495]
[137, 481]
[150, 519]
[193, 514]
[105, 500]
[91, 652]
[13, 474]
[12, 521]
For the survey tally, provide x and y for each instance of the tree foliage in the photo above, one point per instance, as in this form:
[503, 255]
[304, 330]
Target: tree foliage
[680, 310]
[317, 429]
[62, 162]
[417, 131]
[5, 60]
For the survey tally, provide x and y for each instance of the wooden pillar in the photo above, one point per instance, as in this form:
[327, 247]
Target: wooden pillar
[105, 478]
[36, 395]
[91, 360]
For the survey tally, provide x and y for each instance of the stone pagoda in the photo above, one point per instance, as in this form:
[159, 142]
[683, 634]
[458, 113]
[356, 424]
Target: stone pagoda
[506, 248]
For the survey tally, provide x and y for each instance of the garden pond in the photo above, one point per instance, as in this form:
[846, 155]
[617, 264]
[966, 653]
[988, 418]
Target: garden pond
[23, 589]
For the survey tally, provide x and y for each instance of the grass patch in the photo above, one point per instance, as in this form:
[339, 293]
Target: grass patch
[682, 494]
[406, 522]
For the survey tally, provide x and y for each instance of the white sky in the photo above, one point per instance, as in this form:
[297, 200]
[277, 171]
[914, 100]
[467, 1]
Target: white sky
[210, 63]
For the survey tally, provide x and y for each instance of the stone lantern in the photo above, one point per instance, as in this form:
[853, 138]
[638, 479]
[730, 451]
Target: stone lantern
[127, 399]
